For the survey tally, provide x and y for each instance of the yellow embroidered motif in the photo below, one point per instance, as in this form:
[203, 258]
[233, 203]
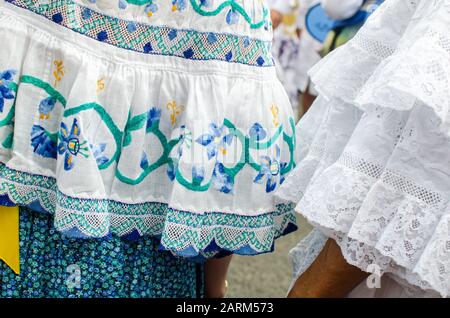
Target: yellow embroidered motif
[275, 112]
[222, 149]
[9, 237]
[100, 85]
[59, 72]
[175, 111]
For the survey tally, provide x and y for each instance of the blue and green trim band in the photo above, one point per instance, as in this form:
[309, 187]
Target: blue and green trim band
[255, 234]
[151, 39]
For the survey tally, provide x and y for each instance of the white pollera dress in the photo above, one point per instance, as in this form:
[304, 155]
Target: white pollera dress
[146, 117]
[375, 150]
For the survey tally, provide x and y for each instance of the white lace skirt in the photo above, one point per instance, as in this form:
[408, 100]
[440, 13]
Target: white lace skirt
[375, 148]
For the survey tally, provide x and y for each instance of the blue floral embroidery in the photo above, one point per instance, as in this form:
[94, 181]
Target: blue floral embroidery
[206, 3]
[198, 174]
[151, 9]
[6, 78]
[98, 152]
[283, 165]
[221, 181]
[270, 170]
[215, 141]
[257, 132]
[267, 25]
[178, 5]
[43, 143]
[70, 144]
[150, 5]
[232, 17]
[123, 4]
[46, 106]
[185, 140]
[144, 161]
[153, 117]
[172, 167]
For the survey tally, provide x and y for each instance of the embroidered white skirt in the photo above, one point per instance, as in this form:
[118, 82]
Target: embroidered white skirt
[147, 117]
[375, 148]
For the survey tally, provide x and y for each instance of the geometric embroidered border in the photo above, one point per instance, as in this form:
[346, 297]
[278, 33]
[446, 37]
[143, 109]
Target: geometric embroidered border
[150, 39]
[184, 233]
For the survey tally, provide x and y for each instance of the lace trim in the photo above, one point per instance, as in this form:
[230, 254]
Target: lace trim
[374, 48]
[420, 262]
[392, 178]
[182, 232]
[358, 164]
[406, 185]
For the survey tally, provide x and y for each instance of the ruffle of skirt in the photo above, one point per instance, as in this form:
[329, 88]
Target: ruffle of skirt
[114, 142]
[374, 169]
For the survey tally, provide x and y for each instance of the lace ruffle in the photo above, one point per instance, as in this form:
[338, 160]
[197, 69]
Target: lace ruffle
[384, 65]
[380, 192]
[381, 181]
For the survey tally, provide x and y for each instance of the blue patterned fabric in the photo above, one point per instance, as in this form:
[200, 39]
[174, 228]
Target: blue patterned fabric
[54, 266]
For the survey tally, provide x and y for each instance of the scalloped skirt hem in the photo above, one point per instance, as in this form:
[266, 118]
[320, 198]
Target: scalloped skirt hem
[187, 234]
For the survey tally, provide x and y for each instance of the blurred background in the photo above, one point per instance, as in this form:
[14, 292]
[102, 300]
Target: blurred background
[267, 275]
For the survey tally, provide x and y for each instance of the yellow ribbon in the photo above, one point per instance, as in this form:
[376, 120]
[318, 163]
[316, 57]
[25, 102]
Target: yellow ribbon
[9, 237]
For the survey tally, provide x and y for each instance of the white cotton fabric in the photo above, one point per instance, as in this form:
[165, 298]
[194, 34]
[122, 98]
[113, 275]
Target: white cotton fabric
[194, 208]
[375, 148]
[208, 92]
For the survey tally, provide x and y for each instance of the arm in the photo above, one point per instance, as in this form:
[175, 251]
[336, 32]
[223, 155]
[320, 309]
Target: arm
[216, 270]
[276, 18]
[328, 276]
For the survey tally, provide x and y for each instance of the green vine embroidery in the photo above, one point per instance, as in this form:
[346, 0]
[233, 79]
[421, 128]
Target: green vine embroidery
[139, 2]
[150, 121]
[234, 9]
[201, 7]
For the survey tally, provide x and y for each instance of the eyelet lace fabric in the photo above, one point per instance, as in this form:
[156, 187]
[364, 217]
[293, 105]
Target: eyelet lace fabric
[380, 184]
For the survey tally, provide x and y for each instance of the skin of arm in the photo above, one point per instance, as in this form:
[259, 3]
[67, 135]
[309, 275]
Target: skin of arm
[276, 17]
[329, 276]
[216, 270]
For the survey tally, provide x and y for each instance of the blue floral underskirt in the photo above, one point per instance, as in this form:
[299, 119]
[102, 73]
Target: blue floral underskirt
[58, 267]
